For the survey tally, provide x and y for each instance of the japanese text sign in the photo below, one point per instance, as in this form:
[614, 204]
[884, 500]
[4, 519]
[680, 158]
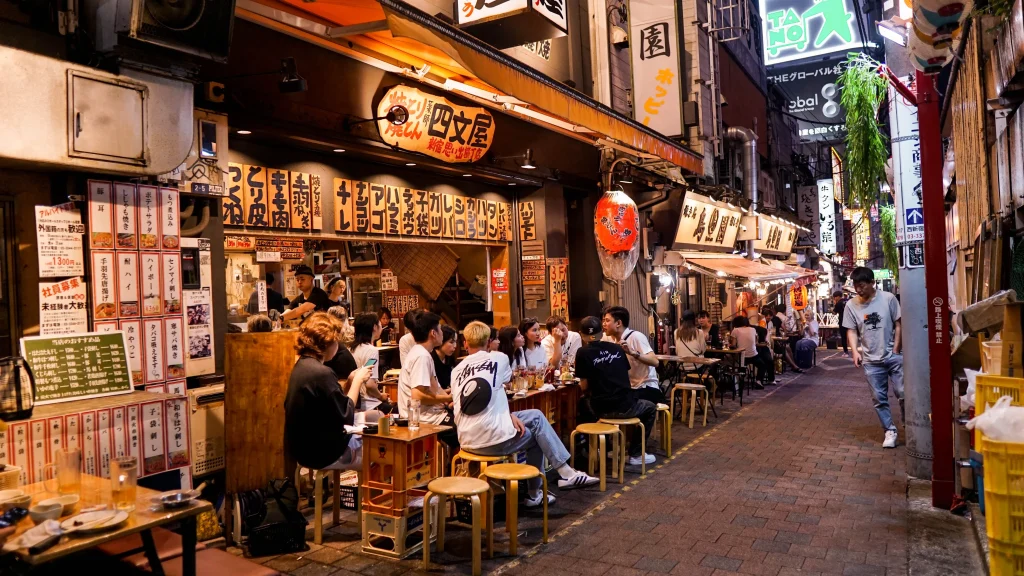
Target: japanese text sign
[812, 98]
[798, 29]
[776, 236]
[59, 232]
[654, 50]
[435, 126]
[827, 231]
[71, 367]
[705, 224]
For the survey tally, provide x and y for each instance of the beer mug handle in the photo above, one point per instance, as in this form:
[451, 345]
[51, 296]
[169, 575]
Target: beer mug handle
[54, 478]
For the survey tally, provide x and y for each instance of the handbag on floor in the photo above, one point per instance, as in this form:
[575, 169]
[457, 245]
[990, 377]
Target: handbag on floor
[17, 389]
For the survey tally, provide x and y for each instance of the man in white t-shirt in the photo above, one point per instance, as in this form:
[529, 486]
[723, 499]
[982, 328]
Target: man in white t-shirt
[486, 427]
[643, 375]
[418, 381]
[406, 342]
[560, 344]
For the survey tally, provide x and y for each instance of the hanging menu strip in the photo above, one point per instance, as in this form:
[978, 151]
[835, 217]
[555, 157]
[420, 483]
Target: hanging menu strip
[289, 249]
[79, 366]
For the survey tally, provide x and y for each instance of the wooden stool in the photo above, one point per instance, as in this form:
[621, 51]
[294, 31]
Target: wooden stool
[665, 417]
[484, 461]
[695, 391]
[618, 423]
[598, 450]
[453, 486]
[318, 498]
[512, 474]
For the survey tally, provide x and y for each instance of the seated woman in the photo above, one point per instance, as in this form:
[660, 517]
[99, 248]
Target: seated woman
[486, 427]
[259, 323]
[444, 356]
[510, 343]
[744, 337]
[366, 330]
[690, 340]
[386, 329]
[534, 355]
[316, 410]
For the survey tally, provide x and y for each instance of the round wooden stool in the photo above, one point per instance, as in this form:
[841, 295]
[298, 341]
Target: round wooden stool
[443, 488]
[619, 423]
[665, 419]
[484, 461]
[598, 449]
[694, 391]
[512, 474]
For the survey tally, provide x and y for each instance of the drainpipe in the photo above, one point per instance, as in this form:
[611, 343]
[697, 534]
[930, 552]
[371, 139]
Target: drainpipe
[748, 138]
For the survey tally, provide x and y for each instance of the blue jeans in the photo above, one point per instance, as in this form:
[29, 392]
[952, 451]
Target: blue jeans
[539, 440]
[879, 375]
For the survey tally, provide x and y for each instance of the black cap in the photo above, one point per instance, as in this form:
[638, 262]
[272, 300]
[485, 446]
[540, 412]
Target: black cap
[304, 270]
[590, 326]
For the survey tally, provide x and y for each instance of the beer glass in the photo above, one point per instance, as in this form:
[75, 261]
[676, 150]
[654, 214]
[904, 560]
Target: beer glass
[67, 466]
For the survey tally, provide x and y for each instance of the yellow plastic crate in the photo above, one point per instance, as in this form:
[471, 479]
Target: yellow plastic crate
[989, 389]
[1004, 490]
[1005, 559]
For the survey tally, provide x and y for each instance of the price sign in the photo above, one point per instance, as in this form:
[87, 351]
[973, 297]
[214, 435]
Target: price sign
[77, 366]
[59, 231]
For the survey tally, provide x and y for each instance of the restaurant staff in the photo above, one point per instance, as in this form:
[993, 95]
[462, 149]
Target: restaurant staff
[311, 299]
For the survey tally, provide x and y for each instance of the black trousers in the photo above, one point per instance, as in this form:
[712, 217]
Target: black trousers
[644, 410]
[652, 395]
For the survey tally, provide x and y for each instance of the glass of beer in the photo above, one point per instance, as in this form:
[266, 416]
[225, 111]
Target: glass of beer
[67, 471]
[124, 474]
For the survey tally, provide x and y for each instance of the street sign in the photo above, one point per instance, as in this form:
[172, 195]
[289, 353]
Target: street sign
[906, 163]
[915, 255]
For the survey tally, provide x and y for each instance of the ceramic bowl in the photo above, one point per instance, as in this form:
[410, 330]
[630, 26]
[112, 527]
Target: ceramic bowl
[17, 502]
[67, 503]
[42, 512]
[6, 495]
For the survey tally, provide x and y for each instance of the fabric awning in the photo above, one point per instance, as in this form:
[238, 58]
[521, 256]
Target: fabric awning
[737, 268]
[455, 61]
[803, 276]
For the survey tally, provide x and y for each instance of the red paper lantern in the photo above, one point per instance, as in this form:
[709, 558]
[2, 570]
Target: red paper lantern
[617, 231]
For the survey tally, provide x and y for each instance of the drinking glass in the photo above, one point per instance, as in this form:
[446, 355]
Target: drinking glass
[67, 465]
[414, 415]
[123, 477]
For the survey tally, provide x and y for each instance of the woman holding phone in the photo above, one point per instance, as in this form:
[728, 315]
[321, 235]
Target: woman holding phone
[367, 331]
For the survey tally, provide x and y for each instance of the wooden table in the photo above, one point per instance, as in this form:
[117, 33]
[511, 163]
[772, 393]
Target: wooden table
[558, 405]
[96, 491]
[701, 363]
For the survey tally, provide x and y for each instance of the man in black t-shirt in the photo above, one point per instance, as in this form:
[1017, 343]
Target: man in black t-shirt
[603, 371]
[839, 308]
[311, 299]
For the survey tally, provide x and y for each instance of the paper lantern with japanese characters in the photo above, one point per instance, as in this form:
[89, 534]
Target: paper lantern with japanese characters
[798, 298]
[617, 231]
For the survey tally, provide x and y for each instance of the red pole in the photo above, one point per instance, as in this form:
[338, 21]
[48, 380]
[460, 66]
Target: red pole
[933, 209]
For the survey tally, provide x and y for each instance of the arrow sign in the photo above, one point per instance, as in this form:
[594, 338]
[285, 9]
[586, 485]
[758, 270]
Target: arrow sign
[914, 216]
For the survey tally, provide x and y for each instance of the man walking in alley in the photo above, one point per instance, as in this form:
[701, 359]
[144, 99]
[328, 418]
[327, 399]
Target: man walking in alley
[839, 309]
[872, 320]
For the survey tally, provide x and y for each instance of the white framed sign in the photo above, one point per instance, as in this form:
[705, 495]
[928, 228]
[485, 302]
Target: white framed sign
[654, 53]
[776, 237]
[706, 224]
[827, 232]
[59, 231]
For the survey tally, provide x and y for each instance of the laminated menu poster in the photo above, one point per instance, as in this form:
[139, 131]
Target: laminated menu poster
[89, 455]
[153, 440]
[177, 433]
[73, 426]
[117, 417]
[101, 217]
[153, 347]
[126, 216]
[104, 293]
[63, 308]
[77, 366]
[152, 290]
[134, 432]
[133, 346]
[149, 218]
[171, 282]
[103, 441]
[20, 449]
[128, 284]
[37, 428]
[55, 435]
[5, 448]
[105, 326]
[174, 341]
[169, 219]
[59, 231]
[199, 332]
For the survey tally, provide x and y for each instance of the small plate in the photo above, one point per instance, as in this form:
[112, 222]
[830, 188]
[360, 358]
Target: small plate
[176, 498]
[87, 517]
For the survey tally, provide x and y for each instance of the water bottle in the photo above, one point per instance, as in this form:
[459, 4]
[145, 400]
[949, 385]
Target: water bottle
[414, 415]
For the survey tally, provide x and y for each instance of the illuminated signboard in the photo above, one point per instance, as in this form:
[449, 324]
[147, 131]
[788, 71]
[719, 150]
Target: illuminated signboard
[837, 178]
[812, 97]
[654, 52]
[798, 29]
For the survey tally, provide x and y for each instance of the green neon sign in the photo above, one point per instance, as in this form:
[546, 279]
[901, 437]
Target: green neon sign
[796, 29]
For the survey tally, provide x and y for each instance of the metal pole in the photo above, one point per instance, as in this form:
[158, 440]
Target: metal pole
[932, 205]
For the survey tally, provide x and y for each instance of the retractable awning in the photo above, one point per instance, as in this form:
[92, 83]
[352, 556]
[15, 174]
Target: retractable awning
[401, 39]
[737, 268]
[803, 275]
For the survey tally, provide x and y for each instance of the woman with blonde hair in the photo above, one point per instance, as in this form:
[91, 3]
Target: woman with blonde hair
[316, 409]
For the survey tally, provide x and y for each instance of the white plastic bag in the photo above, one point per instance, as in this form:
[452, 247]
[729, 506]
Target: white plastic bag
[1002, 422]
[967, 400]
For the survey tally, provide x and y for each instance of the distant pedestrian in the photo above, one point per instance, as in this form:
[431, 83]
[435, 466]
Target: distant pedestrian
[839, 309]
[875, 334]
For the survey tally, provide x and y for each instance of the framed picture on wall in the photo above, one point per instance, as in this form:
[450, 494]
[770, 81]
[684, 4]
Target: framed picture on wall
[361, 254]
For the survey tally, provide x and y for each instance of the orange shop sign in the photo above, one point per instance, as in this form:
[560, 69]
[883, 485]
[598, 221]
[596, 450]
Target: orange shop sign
[434, 126]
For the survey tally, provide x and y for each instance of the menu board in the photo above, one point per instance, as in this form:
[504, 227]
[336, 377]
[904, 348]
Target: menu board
[149, 218]
[125, 214]
[289, 248]
[77, 366]
[59, 232]
[169, 219]
[101, 220]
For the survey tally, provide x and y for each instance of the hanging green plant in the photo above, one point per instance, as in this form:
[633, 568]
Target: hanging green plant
[863, 91]
[890, 254]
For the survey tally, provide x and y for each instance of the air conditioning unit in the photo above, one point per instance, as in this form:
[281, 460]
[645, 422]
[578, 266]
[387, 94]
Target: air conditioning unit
[207, 420]
[198, 27]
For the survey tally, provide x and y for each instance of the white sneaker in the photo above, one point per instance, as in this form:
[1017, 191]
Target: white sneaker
[635, 461]
[578, 480]
[890, 439]
[535, 502]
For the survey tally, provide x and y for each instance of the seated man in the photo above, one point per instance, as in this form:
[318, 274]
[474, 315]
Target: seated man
[561, 344]
[487, 428]
[316, 409]
[603, 370]
[418, 381]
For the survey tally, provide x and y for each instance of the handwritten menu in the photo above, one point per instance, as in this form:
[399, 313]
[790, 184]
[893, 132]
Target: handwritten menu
[77, 366]
[101, 219]
[59, 232]
[559, 286]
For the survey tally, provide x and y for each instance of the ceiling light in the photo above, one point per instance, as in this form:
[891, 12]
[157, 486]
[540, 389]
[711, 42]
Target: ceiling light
[528, 160]
[244, 132]
[893, 32]
[339, 150]
[466, 175]
[627, 175]
[410, 163]
[511, 183]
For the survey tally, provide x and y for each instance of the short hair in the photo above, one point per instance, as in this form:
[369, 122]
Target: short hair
[425, 323]
[703, 314]
[410, 317]
[618, 313]
[837, 294]
[554, 322]
[383, 311]
[689, 316]
[335, 280]
[862, 274]
[591, 326]
[448, 333]
[269, 277]
[317, 334]
[477, 334]
[363, 329]
[740, 322]
[259, 323]
[339, 312]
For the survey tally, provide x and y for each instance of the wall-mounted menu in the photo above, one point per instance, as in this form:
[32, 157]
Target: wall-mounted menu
[59, 232]
[77, 366]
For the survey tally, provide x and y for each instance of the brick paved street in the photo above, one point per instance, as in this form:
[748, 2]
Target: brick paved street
[794, 483]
